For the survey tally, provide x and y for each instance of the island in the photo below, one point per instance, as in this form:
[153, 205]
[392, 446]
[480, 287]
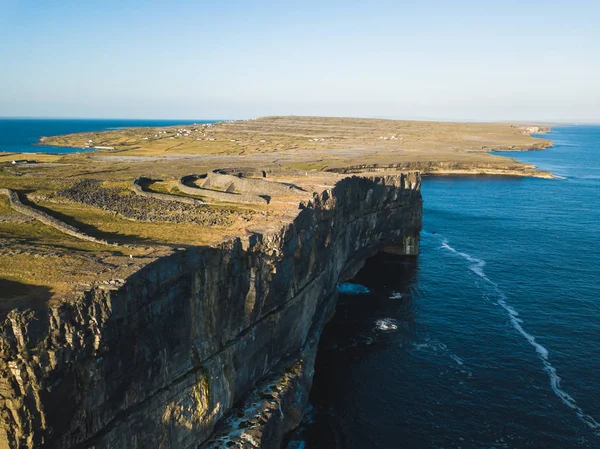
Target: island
[169, 288]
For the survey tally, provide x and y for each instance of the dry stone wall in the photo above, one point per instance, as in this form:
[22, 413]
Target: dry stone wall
[206, 189]
[138, 188]
[17, 204]
[249, 185]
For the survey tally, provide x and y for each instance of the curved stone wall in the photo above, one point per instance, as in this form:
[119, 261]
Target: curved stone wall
[246, 172]
[229, 195]
[249, 185]
[17, 204]
[138, 187]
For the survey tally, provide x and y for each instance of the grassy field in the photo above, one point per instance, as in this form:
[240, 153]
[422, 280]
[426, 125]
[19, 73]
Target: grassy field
[38, 262]
[307, 134]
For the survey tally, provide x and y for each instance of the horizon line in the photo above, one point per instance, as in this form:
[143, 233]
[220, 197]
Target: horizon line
[418, 118]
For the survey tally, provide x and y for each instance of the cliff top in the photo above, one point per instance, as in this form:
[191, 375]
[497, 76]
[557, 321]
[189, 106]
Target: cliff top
[312, 142]
[69, 221]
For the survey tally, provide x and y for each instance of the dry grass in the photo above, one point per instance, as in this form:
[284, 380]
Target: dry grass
[102, 224]
[277, 134]
[37, 157]
[298, 149]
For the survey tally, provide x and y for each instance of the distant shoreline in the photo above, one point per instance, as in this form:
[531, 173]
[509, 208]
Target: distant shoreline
[470, 162]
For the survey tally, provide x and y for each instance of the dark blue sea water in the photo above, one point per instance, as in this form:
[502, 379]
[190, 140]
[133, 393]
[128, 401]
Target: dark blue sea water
[22, 135]
[492, 339]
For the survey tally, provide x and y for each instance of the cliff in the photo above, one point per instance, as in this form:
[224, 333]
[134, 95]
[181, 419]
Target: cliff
[159, 358]
[506, 167]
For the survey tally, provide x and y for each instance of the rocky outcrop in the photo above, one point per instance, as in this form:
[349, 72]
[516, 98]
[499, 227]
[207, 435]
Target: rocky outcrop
[157, 360]
[508, 167]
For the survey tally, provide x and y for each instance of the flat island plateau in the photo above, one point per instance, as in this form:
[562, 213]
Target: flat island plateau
[168, 290]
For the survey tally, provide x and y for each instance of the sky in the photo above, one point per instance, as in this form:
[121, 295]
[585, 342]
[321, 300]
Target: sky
[482, 60]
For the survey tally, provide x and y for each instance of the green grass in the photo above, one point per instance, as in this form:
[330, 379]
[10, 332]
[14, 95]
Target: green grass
[41, 256]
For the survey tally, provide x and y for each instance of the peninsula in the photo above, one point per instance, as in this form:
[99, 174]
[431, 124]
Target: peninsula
[169, 288]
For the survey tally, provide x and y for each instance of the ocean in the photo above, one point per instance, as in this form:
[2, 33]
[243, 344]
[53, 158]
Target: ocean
[23, 134]
[491, 339]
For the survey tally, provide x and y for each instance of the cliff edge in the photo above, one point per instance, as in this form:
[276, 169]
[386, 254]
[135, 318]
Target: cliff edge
[160, 357]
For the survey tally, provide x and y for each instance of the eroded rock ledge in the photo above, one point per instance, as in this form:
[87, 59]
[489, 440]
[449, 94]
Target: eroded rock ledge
[159, 359]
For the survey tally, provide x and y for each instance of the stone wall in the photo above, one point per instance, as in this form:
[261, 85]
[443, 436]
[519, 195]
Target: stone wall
[131, 206]
[138, 187]
[158, 360]
[206, 189]
[17, 204]
[248, 185]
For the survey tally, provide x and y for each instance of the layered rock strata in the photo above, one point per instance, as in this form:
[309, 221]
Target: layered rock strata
[508, 167]
[158, 359]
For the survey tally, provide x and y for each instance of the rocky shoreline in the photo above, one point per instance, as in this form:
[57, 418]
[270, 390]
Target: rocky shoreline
[451, 169]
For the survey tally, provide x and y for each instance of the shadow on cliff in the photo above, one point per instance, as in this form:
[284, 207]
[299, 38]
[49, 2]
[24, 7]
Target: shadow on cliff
[15, 294]
[351, 343]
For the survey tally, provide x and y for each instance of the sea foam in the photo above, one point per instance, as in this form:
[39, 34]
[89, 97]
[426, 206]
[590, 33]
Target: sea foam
[476, 266]
[386, 324]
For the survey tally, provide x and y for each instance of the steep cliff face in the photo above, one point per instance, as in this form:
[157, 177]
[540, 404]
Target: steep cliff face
[159, 359]
[497, 166]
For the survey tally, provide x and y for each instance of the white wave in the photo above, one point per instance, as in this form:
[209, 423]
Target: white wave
[457, 359]
[434, 345]
[386, 324]
[478, 264]
[542, 352]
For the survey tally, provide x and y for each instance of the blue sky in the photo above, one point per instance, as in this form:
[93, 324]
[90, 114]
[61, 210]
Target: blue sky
[453, 60]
